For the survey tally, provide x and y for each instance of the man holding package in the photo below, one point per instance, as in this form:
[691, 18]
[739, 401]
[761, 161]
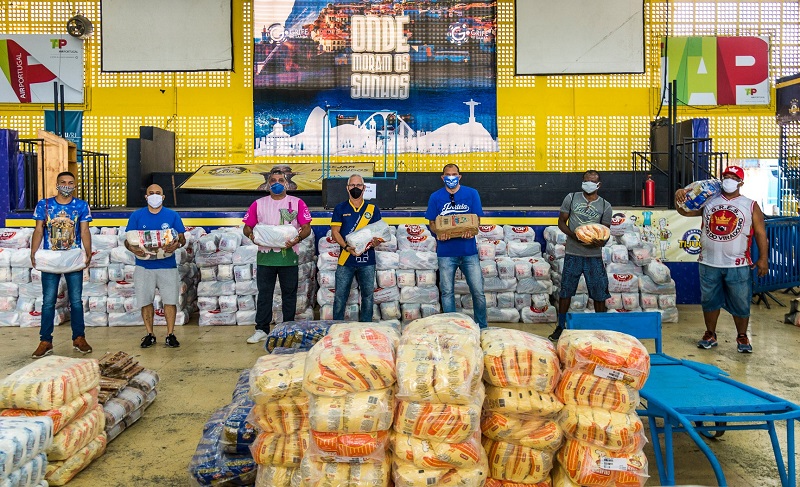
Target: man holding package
[729, 222]
[158, 233]
[584, 254]
[62, 225]
[349, 216]
[276, 262]
[454, 215]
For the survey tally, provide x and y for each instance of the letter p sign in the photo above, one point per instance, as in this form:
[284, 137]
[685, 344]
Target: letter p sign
[58, 43]
[742, 62]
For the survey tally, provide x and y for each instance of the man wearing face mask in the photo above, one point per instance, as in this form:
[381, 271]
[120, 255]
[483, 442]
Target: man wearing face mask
[276, 263]
[152, 273]
[62, 223]
[582, 208]
[349, 216]
[729, 223]
[458, 252]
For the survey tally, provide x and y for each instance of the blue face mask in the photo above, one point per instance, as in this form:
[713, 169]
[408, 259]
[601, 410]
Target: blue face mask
[451, 181]
[276, 188]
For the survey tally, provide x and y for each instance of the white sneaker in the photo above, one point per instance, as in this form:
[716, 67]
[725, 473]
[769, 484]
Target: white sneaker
[258, 336]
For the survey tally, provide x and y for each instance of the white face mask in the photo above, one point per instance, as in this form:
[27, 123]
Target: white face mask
[155, 200]
[730, 185]
[589, 186]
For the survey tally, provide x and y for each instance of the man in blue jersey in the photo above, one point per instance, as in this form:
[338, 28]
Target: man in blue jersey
[349, 216]
[458, 252]
[62, 223]
[153, 272]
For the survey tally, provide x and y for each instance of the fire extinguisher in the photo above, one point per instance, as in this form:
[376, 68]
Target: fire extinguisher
[649, 191]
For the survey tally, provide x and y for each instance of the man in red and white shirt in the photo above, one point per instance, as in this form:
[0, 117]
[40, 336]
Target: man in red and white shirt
[276, 263]
[730, 221]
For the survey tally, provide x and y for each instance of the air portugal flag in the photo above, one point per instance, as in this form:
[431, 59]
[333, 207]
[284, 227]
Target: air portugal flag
[22, 70]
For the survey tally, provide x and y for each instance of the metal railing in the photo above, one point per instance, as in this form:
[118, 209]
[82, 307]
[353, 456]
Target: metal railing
[25, 181]
[783, 237]
[95, 179]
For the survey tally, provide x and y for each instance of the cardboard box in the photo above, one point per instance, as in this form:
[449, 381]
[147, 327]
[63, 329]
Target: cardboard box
[456, 225]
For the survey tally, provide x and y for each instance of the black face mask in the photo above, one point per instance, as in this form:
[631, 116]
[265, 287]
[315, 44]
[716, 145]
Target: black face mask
[355, 192]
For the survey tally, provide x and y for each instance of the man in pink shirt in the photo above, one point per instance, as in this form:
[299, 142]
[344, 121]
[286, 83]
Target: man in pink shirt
[276, 263]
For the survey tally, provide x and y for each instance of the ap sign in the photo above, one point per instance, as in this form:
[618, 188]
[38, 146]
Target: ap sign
[717, 70]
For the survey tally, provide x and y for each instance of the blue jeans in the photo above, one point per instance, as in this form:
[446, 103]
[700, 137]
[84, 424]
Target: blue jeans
[365, 275]
[729, 288]
[49, 296]
[470, 266]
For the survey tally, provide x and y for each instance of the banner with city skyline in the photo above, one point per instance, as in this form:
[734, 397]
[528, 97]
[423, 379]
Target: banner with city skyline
[352, 77]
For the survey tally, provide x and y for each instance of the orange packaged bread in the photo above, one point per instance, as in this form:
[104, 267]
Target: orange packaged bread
[608, 354]
[521, 401]
[490, 482]
[589, 390]
[277, 375]
[517, 463]
[539, 434]
[437, 454]
[591, 232]
[514, 358]
[590, 465]
[336, 447]
[406, 474]
[61, 472]
[279, 450]
[49, 383]
[62, 415]
[450, 423]
[613, 431]
[77, 434]
[283, 416]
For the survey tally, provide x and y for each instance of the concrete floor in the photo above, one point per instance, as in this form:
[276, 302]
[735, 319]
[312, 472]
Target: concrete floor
[199, 377]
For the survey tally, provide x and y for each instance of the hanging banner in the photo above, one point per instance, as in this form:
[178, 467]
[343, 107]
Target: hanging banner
[787, 92]
[348, 78]
[254, 177]
[31, 62]
[676, 238]
[73, 119]
[716, 70]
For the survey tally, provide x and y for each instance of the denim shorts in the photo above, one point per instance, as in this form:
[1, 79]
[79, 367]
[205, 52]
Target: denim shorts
[593, 271]
[728, 288]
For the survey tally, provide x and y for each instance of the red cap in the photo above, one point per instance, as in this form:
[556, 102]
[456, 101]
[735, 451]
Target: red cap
[735, 170]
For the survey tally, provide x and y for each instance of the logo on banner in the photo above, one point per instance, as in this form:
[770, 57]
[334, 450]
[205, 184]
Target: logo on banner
[22, 70]
[690, 242]
[457, 34]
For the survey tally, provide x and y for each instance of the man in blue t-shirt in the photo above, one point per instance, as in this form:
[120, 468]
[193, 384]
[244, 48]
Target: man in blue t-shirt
[153, 272]
[62, 223]
[349, 216]
[458, 252]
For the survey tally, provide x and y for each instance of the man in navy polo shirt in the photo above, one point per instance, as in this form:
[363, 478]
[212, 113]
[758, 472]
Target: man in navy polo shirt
[349, 216]
[458, 252]
[155, 273]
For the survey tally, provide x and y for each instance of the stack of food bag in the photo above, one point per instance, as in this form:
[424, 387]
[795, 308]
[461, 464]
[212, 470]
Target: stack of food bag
[499, 282]
[602, 374]
[327, 261]
[21, 286]
[416, 272]
[556, 250]
[437, 436]
[64, 389]
[211, 464]
[350, 381]
[25, 440]
[296, 335]
[126, 390]
[96, 277]
[237, 432]
[520, 430]
[280, 415]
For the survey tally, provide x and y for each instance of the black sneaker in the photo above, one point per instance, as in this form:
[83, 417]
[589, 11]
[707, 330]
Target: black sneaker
[556, 334]
[148, 341]
[172, 342]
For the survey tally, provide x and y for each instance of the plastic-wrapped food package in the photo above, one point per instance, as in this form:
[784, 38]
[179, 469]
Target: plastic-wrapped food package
[647, 301]
[391, 310]
[124, 319]
[421, 243]
[667, 301]
[426, 453]
[543, 314]
[521, 401]
[580, 462]
[244, 303]
[277, 376]
[282, 450]
[207, 303]
[77, 434]
[627, 268]
[48, 383]
[361, 240]
[506, 268]
[61, 472]
[8, 303]
[20, 275]
[411, 259]
[631, 240]
[622, 283]
[301, 335]
[523, 249]
[23, 439]
[518, 233]
[98, 274]
[530, 285]
[699, 192]
[274, 236]
[5, 273]
[208, 273]
[516, 463]
[60, 261]
[522, 300]
[207, 244]
[406, 277]
[385, 278]
[429, 309]
[406, 474]
[327, 243]
[328, 261]
[519, 359]
[245, 254]
[490, 232]
[211, 465]
[646, 285]
[209, 260]
[620, 224]
[540, 269]
[243, 273]
[29, 474]
[386, 295]
[228, 303]
[427, 277]
[225, 272]
[216, 288]
[615, 301]
[658, 272]
[506, 300]
[630, 301]
[360, 412]
[216, 318]
[22, 257]
[354, 359]
[96, 319]
[486, 251]
[273, 476]
[390, 245]
[121, 255]
[488, 268]
[497, 285]
[243, 288]
[326, 474]
[584, 389]
[118, 408]
[669, 315]
[229, 242]
[496, 315]
[15, 238]
[643, 255]
[593, 351]
[537, 433]
[386, 260]
[438, 422]
[405, 230]
[419, 295]
[619, 254]
[327, 279]
[556, 250]
[10, 318]
[613, 431]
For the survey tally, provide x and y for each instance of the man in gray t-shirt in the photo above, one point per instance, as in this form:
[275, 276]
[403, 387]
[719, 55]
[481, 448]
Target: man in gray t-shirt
[579, 209]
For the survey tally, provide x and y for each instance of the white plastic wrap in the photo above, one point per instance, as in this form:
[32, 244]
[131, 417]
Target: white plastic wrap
[646, 285]
[619, 254]
[245, 303]
[667, 301]
[419, 295]
[630, 301]
[246, 317]
[699, 192]
[242, 288]
[5, 273]
[122, 255]
[556, 250]
[523, 249]
[647, 302]
[229, 242]
[410, 259]
[386, 295]
[328, 261]
[274, 236]
[506, 268]
[518, 234]
[15, 238]
[228, 304]
[405, 230]
[362, 240]
[658, 272]
[384, 278]
[216, 318]
[495, 284]
[390, 245]
[210, 260]
[406, 277]
[643, 255]
[386, 260]
[391, 310]
[225, 272]
[622, 283]
[245, 254]
[410, 312]
[545, 314]
[631, 240]
[426, 277]
[530, 285]
[486, 251]
[59, 261]
[488, 268]
[217, 288]
[615, 301]
[505, 300]
[490, 232]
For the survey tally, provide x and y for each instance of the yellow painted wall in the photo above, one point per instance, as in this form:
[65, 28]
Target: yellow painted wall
[545, 123]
